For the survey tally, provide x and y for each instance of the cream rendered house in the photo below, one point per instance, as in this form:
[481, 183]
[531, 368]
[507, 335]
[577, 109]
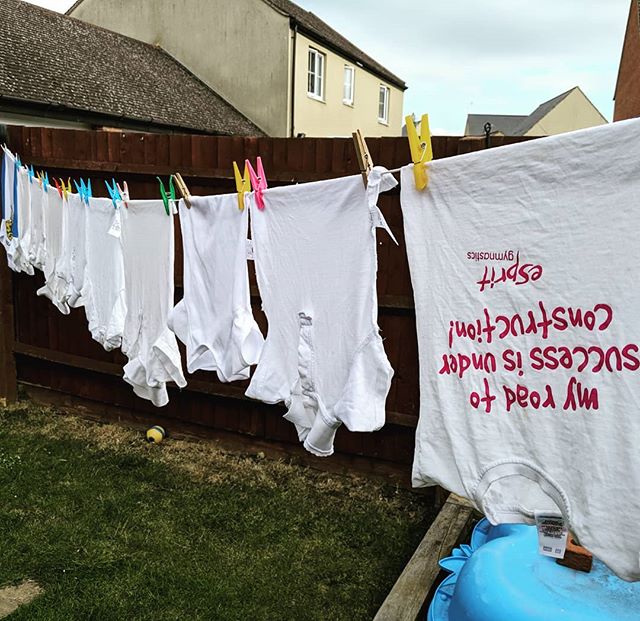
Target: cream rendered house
[281, 66]
[567, 112]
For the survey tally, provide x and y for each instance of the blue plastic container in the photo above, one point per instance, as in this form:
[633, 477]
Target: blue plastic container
[501, 577]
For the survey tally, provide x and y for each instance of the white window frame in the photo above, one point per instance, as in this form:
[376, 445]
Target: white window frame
[348, 98]
[383, 100]
[316, 76]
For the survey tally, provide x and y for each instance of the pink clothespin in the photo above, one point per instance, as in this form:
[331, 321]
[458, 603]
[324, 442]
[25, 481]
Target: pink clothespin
[258, 182]
[124, 193]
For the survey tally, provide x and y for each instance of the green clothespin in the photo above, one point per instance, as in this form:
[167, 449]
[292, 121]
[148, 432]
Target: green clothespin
[170, 197]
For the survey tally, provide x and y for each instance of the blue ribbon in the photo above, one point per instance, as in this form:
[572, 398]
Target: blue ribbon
[14, 221]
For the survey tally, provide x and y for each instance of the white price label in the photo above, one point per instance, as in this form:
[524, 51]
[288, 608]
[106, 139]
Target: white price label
[552, 534]
[116, 225]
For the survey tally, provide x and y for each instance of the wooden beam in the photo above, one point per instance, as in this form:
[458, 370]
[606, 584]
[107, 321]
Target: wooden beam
[214, 176]
[230, 391]
[409, 597]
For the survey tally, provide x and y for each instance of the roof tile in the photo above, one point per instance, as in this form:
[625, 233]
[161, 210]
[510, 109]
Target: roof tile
[52, 58]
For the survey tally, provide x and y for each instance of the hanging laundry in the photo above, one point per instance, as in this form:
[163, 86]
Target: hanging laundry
[8, 163]
[523, 261]
[36, 244]
[19, 246]
[315, 254]
[214, 318]
[54, 289]
[73, 264]
[103, 289]
[13, 193]
[147, 235]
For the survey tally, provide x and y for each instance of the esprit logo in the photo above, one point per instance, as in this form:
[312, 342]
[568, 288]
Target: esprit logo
[516, 273]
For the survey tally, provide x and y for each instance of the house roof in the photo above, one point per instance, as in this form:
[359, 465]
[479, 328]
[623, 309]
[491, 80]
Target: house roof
[541, 111]
[514, 125]
[505, 123]
[313, 26]
[49, 58]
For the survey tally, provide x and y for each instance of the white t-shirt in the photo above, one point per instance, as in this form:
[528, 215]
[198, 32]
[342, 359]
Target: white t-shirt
[315, 254]
[103, 289]
[214, 318]
[524, 266]
[150, 346]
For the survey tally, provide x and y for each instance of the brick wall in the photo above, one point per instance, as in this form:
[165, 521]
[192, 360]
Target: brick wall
[628, 87]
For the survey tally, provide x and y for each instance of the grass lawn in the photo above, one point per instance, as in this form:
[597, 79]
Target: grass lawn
[113, 528]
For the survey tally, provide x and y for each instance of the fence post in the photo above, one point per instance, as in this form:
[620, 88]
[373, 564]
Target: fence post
[8, 376]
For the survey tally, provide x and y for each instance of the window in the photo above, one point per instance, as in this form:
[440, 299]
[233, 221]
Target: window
[349, 77]
[315, 85]
[383, 105]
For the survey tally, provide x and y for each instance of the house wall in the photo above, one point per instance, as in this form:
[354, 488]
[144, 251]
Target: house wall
[572, 113]
[331, 117]
[240, 49]
[627, 94]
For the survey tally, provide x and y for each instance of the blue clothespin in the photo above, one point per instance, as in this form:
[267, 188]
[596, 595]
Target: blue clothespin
[113, 193]
[45, 179]
[82, 190]
[85, 192]
[31, 173]
[167, 197]
[88, 190]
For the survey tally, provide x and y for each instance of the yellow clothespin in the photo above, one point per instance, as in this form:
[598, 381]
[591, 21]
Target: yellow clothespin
[243, 183]
[365, 162]
[421, 149]
[183, 189]
[66, 190]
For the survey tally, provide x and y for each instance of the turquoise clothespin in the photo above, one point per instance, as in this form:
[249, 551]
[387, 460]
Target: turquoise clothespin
[88, 190]
[82, 190]
[31, 173]
[113, 193]
[170, 197]
[45, 179]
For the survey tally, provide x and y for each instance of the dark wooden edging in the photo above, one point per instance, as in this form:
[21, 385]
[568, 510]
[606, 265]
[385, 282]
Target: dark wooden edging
[410, 595]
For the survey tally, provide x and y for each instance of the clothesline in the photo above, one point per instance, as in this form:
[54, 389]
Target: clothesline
[114, 256]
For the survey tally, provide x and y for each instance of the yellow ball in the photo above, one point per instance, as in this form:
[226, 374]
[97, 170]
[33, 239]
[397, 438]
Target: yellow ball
[156, 434]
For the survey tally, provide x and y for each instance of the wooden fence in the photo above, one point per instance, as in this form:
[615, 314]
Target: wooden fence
[54, 358]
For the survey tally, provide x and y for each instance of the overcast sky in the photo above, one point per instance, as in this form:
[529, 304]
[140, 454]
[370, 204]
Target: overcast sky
[494, 56]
